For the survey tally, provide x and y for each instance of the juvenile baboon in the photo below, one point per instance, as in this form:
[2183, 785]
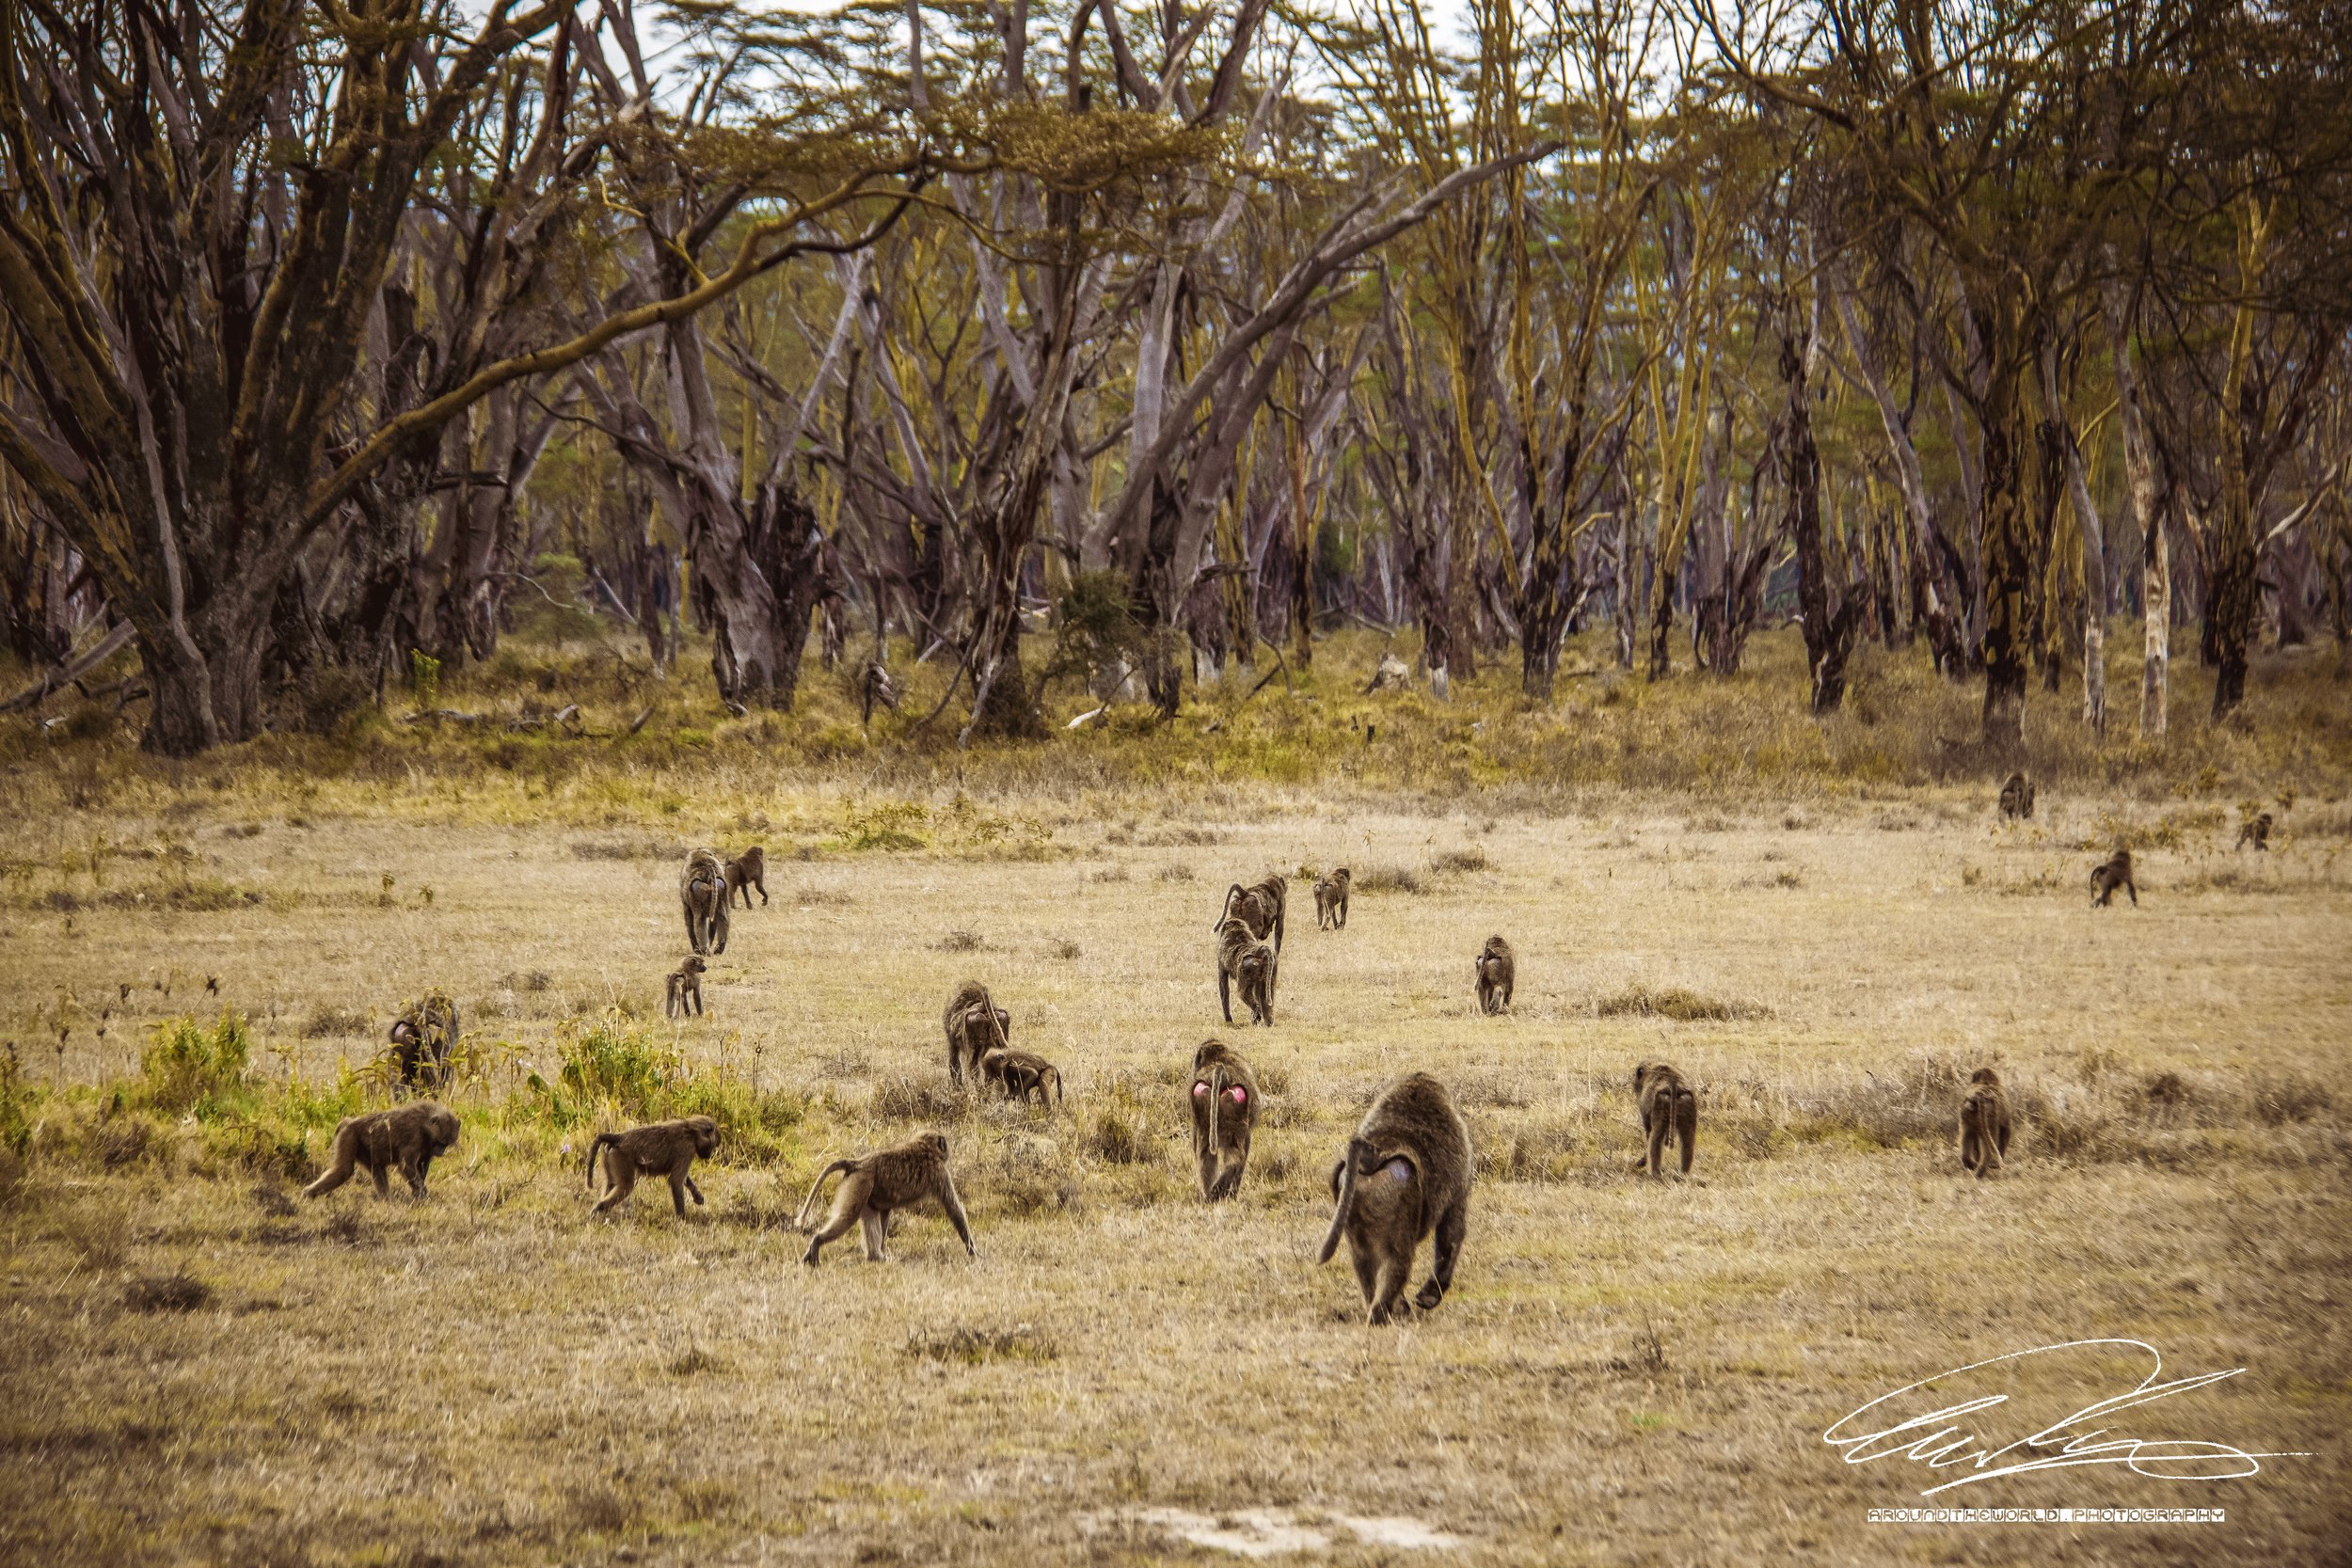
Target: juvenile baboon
[2016, 797]
[876, 688]
[745, 872]
[2110, 874]
[685, 988]
[975, 1025]
[406, 1138]
[1020, 1074]
[899, 1177]
[1259, 906]
[1331, 900]
[2255, 831]
[1406, 1173]
[657, 1148]
[1243, 959]
[421, 1038]
[1984, 1124]
[1497, 970]
[1224, 1104]
[1667, 1106]
[702, 892]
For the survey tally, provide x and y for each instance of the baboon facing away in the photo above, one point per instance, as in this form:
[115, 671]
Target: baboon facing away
[1259, 906]
[896, 1178]
[685, 988]
[2017, 796]
[1984, 1124]
[702, 892]
[657, 1148]
[1331, 900]
[423, 1036]
[745, 872]
[1497, 970]
[1667, 1106]
[2110, 874]
[975, 1025]
[1020, 1074]
[2256, 831]
[1407, 1172]
[1224, 1105]
[1244, 961]
[406, 1138]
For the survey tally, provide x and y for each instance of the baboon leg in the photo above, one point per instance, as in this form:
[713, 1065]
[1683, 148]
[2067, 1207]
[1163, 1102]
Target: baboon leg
[1969, 1149]
[945, 1193]
[678, 1190]
[622, 1174]
[877, 1228]
[1656, 1144]
[335, 1175]
[848, 1202]
[2000, 1137]
[1452, 1226]
[383, 1175]
[1389, 1289]
[955, 1061]
[693, 1191]
[413, 1168]
[1686, 1128]
[2133, 888]
[761, 883]
[1209, 1173]
[1508, 986]
[1367, 1276]
[1225, 995]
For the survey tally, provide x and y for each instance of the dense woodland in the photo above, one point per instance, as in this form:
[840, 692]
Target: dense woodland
[331, 337]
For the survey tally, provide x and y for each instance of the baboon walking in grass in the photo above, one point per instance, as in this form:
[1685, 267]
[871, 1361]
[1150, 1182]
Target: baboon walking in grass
[1406, 1173]
[702, 894]
[1331, 900]
[1224, 1106]
[1668, 1109]
[872, 1187]
[2110, 874]
[745, 872]
[1260, 906]
[666, 1149]
[1984, 1124]
[421, 1038]
[2255, 831]
[974, 1026]
[1497, 972]
[1244, 961]
[406, 1138]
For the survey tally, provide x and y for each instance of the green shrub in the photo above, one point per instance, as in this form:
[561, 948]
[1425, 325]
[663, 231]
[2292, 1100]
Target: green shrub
[611, 1062]
[188, 1068]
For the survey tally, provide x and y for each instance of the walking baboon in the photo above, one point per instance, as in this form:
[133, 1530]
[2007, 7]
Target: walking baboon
[876, 688]
[745, 872]
[1224, 1102]
[685, 988]
[2016, 797]
[1331, 900]
[1984, 1124]
[2255, 831]
[1260, 904]
[975, 1025]
[702, 892]
[2110, 874]
[406, 1138]
[1406, 1173]
[1242, 958]
[1497, 970]
[897, 1178]
[421, 1038]
[1020, 1074]
[1667, 1106]
[657, 1148]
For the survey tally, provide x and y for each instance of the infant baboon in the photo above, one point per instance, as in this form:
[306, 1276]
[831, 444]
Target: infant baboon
[1667, 1106]
[408, 1138]
[1224, 1104]
[2016, 797]
[657, 1148]
[1331, 900]
[423, 1036]
[1020, 1074]
[685, 988]
[1497, 973]
[2255, 831]
[745, 872]
[2110, 874]
[1407, 1172]
[975, 1025]
[1984, 1124]
[1259, 906]
[899, 1177]
[1242, 958]
[702, 892]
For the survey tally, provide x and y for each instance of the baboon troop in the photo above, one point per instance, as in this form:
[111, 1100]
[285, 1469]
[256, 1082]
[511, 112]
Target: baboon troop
[421, 1038]
[702, 892]
[1984, 1124]
[2255, 831]
[408, 1138]
[1497, 972]
[1244, 961]
[1224, 1107]
[745, 872]
[975, 1025]
[1331, 901]
[1407, 1172]
[685, 988]
[2112, 873]
[666, 1149]
[1258, 906]
[2016, 797]
[1667, 1106]
[891, 1179]
[1020, 1074]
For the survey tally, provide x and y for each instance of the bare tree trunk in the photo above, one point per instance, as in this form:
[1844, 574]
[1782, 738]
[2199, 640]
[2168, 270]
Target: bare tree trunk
[2094, 555]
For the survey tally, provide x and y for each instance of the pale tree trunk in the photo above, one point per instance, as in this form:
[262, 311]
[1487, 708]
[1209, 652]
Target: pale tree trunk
[2140, 471]
[2095, 556]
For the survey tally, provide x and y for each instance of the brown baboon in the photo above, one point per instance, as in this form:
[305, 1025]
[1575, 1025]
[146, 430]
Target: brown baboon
[406, 1138]
[1260, 904]
[1019, 1073]
[1497, 970]
[1406, 1173]
[1667, 1106]
[1984, 1124]
[2110, 874]
[1331, 900]
[975, 1025]
[685, 988]
[745, 872]
[2255, 831]
[1224, 1115]
[702, 892]
[876, 688]
[2017, 796]
[423, 1036]
[657, 1148]
[1242, 958]
[899, 1177]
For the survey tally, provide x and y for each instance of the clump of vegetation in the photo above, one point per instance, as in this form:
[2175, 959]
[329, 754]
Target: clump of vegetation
[914, 1099]
[1675, 1002]
[961, 941]
[611, 1062]
[179, 1292]
[328, 1021]
[974, 1345]
[1455, 862]
[1387, 879]
[188, 1068]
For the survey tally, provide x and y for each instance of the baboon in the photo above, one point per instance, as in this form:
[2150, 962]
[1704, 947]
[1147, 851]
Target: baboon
[1667, 1106]
[897, 1178]
[1406, 1173]
[1331, 900]
[421, 1038]
[2110, 874]
[1242, 957]
[1984, 1124]
[1260, 904]
[1019, 1073]
[876, 688]
[702, 892]
[686, 989]
[1224, 1113]
[975, 1025]
[745, 872]
[1497, 970]
[657, 1148]
[406, 1138]
[2016, 797]
[2256, 831]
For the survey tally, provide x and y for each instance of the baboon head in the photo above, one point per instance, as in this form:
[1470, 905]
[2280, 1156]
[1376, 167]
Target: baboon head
[706, 1135]
[693, 965]
[936, 1143]
[403, 1033]
[1985, 1075]
[440, 1128]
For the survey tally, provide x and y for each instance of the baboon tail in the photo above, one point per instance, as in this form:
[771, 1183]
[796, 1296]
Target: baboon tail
[1216, 1093]
[595, 1145]
[1226, 907]
[822, 1176]
[1347, 1200]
